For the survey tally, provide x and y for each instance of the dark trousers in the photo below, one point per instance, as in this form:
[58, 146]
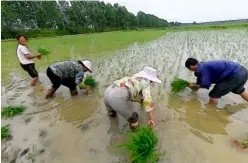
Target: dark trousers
[57, 81]
[234, 83]
[30, 68]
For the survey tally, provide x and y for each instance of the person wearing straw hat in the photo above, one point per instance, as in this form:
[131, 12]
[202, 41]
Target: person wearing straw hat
[119, 95]
[67, 73]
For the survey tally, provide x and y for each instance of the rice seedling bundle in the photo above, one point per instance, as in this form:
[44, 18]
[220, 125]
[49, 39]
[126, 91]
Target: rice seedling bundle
[5, 132]
[89, 81]
[81, 86]
[43, 51]
[178, 85]
[142, 145]
[11, 111]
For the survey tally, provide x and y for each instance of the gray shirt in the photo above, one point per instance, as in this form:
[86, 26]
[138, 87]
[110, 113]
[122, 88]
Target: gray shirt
[68, 69]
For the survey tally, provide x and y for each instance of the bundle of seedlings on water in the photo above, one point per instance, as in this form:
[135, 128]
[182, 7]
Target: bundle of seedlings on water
[89, 81]
[11, 111]
[178, 85]
[243, 144]
[5, 132]
[142, 146]
[43, 51]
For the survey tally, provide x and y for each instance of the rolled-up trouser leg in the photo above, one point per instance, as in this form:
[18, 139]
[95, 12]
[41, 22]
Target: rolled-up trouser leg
[119, 100]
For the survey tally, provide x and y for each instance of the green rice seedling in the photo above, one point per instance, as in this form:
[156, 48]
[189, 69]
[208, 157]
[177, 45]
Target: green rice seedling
[43, 51]
[142, 146]
[244, 143]
[81, 86]
[5, 132]
[178, 85]
[90, 81]
[11, 111]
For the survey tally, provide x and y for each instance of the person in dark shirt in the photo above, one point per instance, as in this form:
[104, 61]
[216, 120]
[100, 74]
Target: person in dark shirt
[227, 76]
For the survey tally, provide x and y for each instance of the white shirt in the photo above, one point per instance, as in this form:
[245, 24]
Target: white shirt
[21, 51]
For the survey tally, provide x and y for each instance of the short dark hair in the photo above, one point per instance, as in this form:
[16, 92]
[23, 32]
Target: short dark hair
[191, 62]
[19, 36]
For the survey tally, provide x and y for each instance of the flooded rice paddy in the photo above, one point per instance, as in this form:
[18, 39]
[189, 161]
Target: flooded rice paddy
[77, 129]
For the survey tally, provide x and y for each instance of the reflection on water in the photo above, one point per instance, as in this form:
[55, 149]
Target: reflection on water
[77, 108]
[208, 119]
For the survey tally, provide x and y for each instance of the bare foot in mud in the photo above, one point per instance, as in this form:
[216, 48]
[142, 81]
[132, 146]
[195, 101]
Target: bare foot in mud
[50, 93]
[34, 81]
[74, 93]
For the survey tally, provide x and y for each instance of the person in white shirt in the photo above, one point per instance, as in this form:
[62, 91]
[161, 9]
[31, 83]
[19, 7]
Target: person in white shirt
[26, 58]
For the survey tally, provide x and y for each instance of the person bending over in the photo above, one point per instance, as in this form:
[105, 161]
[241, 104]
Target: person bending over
[67, 73]
[227, 76]
[118, 97]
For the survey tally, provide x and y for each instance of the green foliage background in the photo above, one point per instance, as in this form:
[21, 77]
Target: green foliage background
[47, 18]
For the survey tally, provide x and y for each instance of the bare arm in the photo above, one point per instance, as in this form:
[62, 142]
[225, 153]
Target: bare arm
[148, 104]
[31, 56]
[150, 115]
[27, 53]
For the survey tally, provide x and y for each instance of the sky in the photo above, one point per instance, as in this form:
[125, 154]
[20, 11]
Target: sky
[188, 11]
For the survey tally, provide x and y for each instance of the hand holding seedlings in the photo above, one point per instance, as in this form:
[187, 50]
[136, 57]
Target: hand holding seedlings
[88, 84]
[38, 56]
[85, 87]
[42, 51]
[194, 86]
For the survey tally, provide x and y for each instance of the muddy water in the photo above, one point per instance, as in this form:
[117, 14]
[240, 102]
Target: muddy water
[78, 130]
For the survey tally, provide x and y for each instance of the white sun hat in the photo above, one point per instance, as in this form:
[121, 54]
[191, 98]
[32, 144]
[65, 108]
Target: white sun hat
[150, 74]
[87, 64]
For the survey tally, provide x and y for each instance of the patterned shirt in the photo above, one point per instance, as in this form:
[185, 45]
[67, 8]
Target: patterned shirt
[136, 86]
[68, 69]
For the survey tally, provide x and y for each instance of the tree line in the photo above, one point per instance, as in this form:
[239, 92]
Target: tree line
[49, 18]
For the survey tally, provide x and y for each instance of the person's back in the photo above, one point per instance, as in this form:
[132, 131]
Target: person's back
[66, 69]
[217, 70]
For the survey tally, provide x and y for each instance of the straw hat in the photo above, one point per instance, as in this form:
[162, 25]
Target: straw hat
[87, 64]
[150, 74]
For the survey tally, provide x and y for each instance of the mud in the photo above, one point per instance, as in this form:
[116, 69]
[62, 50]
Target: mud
[66, 129]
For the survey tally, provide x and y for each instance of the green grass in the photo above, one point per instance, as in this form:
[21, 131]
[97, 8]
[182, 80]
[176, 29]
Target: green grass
[178, 85]
[5, 132]
[75, 46]
[11, 111]
[210, 27]
[142, 146]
